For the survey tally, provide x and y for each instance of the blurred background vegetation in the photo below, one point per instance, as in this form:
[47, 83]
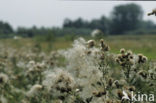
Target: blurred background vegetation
[124, 28]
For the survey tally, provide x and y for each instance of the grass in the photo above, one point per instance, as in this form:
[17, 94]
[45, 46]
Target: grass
[139, 44]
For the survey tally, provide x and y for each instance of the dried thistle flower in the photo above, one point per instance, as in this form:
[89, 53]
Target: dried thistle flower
[3, 78]
[120, 94]
[122, 51]
[91, 43]
[152, 13]
[3, 99]
[140, 55]
[131, 88]
[117, 60]
[99, 93]
[104, 47]
[129, 52]
[131, 57]
[143, 73]
[142, 58]
[35, 89]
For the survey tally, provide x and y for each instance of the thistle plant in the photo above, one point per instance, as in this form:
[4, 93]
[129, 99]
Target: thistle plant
[88, 72]
[152, 13]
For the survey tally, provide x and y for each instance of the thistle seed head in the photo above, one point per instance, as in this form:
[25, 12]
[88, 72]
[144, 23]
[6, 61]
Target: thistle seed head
[91, 43]
[122, 51]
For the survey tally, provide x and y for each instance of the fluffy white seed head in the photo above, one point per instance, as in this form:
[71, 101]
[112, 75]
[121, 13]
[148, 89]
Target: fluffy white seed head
[34, 90]
[3, 99]
[3, 78]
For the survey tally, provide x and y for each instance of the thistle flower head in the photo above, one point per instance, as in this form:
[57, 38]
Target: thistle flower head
[96, 32]
[99, 93]
[3, 78]
[104, 47]
[152, 13]
[35, 89]
[120, 94]
[31, 62]
[140, 55]
[131, 88]
[143, 74]
[131, 57]
[3, 99]
[102, 44]
[117, 60]
[142, 58]
[129, 52]
[91, 43]
[122, 51]
[60, 80]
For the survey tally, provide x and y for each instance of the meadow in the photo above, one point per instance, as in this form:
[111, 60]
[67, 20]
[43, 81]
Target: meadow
[138, 43]
[83, 70]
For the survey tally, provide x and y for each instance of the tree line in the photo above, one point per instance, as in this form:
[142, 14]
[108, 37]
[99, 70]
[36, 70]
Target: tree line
[124, 19]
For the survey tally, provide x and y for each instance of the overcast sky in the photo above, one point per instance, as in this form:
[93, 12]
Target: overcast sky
[50, 13]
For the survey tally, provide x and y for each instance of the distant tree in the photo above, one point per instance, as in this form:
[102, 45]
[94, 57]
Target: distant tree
[148, 25]
[105, 22]
[22, 31]
[67, 23]
[126, 18]
[5, 28]
[28, 32]
[101, 24]
[78, 23]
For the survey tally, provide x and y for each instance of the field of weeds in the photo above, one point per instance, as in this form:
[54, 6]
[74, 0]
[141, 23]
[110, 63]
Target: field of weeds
[82, 71]
[144, 44]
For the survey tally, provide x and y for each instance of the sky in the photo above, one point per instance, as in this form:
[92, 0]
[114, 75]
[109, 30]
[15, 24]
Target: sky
[50, 13]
